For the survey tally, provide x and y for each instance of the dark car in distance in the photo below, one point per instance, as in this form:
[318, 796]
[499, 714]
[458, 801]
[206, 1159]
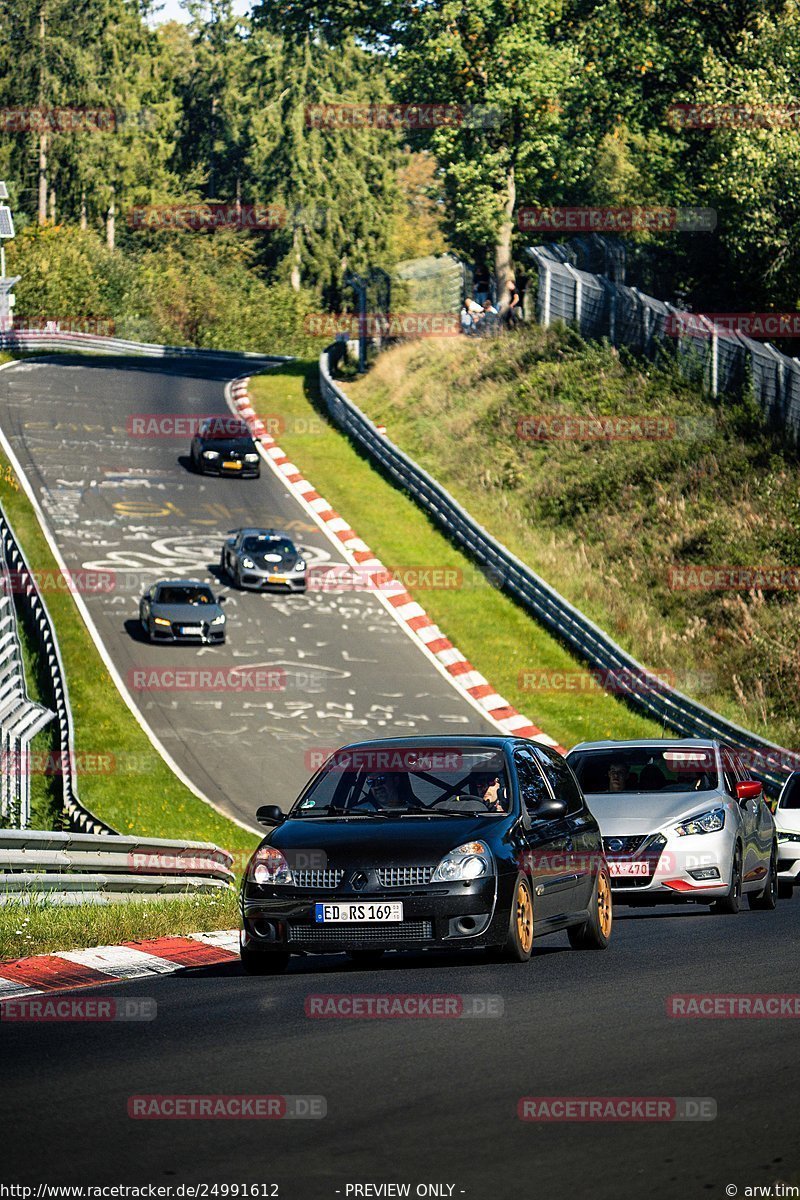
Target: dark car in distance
[427, 843]
[182, 610]
[224, 446]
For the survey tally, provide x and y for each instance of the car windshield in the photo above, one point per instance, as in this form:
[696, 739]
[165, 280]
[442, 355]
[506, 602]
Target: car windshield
[400, 781]
[224, 427]
[177, 593]
[644, 769]
[264, 544]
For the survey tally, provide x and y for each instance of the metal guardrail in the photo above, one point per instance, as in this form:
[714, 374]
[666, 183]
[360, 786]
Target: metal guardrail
[31, 602]
[20, 718]
[70, 868]
[27, 340]
[641, 688]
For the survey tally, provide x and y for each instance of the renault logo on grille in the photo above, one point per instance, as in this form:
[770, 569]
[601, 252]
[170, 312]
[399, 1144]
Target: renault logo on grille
[360, 880]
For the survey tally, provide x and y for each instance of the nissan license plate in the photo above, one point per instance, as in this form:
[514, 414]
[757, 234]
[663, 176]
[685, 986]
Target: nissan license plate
[341, 914]
[629, 868]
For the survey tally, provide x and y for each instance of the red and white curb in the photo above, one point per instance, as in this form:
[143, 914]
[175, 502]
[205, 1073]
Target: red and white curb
[405, 609]
[102, 965]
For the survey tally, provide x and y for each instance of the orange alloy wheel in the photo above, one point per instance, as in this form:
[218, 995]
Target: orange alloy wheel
[524, 916]
[604, 904]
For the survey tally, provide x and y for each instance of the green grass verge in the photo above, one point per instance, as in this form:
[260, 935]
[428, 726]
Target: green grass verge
[604, 521]
[41, 927]
[494, 633]
[138, 793]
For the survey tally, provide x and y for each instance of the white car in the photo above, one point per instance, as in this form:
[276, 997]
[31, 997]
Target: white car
[681, 820]
[787, 823]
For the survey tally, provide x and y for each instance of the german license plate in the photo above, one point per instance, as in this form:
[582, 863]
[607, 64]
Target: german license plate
[232, 466]
[341, 914]
[192, 629]
[629, 868]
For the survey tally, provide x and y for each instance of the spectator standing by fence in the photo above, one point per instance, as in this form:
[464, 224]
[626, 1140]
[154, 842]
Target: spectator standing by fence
[511, 306]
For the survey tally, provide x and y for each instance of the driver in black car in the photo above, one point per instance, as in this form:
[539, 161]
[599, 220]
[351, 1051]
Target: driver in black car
[487, 786]
[386, 791]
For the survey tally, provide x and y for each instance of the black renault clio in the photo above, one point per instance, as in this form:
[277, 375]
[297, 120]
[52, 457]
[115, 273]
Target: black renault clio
[426, 843]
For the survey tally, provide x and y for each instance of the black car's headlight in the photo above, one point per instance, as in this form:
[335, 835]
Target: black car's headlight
[251, 458]
[210, 454]
[473, 860]
[706, 822]
[269, 866]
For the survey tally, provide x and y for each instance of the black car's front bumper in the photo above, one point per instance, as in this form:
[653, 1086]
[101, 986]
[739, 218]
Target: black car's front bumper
[438, 916]
[246, 470]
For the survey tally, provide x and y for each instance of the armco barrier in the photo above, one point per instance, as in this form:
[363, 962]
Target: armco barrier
[20, 718]
[27, 341]
[31, 602]
[506, 571]
[70, 868]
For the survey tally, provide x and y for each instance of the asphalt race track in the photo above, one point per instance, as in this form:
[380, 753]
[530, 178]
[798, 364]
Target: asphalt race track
[128, 505]
[433, 1100]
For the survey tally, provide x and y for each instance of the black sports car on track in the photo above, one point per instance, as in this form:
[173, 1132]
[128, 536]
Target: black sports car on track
[223, 446]
[425, 843]
[182, 610]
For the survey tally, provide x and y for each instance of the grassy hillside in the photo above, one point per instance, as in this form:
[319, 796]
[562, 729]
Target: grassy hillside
[604, 521]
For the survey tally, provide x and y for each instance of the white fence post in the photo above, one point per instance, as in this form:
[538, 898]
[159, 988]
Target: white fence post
[578, 293]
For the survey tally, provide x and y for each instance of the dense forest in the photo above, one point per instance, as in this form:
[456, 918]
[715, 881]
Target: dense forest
[545, 102]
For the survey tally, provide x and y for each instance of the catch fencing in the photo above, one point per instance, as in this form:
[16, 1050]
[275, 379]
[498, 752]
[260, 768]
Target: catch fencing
[643, 690]
[724, 361]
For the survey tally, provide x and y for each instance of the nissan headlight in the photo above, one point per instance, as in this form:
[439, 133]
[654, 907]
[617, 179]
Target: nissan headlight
[473, 860]
[707, 822]
[210, 454]
[268, 866]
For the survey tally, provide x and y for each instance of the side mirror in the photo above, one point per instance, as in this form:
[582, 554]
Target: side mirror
[222, 599]
[270, 814]
[748, 791]
[548, 809]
